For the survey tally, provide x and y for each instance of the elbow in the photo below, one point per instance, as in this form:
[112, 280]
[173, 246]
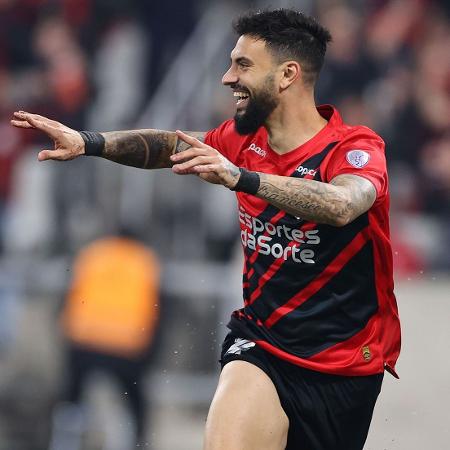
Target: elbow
[343, 216]
[341, 221]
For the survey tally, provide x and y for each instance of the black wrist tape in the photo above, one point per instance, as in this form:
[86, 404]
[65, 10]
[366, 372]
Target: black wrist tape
[94, 143]
[248, 182]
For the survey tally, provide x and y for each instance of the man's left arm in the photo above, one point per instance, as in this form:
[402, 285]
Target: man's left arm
[336, 203]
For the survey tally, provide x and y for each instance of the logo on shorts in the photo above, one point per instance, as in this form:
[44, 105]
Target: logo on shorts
[358, 158]
[240, 345]
[366, 353]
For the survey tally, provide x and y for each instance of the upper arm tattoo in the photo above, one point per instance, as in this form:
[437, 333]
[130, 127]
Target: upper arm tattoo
[361, 193]
[145, 149]
[337, 203]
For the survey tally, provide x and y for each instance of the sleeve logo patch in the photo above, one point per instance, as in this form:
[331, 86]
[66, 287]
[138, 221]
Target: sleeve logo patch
[358, 158]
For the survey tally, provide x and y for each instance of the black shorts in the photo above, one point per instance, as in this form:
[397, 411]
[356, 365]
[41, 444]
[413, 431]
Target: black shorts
[325, 412]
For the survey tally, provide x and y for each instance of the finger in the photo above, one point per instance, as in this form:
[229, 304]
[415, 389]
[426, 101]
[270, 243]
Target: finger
[183, 171]
[39, 122]
[21, 124]
[36, 116]
[52, 123]
[180, 171]
[190, 153]
[206, 168]
[190, 139]
[19, 113]
[188, 165]
[58, 155]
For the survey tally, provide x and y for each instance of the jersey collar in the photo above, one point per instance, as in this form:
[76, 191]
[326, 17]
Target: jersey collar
[325, 135]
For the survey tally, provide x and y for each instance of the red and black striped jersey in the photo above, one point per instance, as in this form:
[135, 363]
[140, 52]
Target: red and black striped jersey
[319, 296]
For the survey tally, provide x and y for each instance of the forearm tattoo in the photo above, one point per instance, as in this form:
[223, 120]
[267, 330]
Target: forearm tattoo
[145, 149]
[336, 203]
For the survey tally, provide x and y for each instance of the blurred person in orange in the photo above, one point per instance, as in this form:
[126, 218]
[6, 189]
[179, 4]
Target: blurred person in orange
[304, 362]
[109, 320]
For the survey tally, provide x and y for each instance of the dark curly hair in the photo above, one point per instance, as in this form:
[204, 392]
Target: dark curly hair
[288, 34]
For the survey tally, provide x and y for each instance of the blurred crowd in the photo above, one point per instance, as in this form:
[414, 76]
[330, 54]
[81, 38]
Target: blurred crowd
[84, 62]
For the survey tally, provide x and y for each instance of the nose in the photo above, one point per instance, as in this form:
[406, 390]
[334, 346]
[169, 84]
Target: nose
[229, 77]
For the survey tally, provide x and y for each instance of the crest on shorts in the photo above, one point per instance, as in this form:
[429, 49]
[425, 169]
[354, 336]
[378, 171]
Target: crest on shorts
[240, 345]
[358, 158]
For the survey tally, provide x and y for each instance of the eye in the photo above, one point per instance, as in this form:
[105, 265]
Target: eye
[243, 65]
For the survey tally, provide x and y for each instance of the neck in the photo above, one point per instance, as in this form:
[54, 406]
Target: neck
[294, 122]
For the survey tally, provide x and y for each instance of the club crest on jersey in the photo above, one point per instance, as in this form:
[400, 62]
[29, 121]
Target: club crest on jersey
[258, 150]
[358, 158]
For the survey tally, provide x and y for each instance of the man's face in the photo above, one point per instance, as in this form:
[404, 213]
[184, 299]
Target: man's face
[252, 78]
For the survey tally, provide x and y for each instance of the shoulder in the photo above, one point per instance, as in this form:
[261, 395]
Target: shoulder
[350, 136]
[357, 146]
[360, 137]
[360, 151]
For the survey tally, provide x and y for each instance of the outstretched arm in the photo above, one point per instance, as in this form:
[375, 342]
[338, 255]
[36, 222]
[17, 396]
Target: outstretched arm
[145, 149]
[336, 203]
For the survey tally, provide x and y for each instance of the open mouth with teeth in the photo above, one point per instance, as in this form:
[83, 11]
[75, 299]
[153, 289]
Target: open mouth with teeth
[241, 98]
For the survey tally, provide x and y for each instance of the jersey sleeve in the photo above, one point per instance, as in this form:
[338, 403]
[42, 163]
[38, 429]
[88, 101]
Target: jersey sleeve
[224, 139]
[362, 155]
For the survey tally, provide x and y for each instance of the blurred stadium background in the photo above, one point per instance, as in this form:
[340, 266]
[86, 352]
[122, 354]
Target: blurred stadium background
[120, 64]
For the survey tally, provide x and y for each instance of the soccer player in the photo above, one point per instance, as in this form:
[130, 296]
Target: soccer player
[303, 364]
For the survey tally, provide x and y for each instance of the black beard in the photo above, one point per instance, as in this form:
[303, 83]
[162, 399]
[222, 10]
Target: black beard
[259, 108]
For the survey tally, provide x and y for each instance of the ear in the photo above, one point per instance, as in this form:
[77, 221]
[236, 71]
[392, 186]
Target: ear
[290, 72]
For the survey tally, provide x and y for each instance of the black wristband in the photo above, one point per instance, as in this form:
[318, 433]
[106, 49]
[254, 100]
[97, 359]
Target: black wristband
[94, 143]
[248, 182]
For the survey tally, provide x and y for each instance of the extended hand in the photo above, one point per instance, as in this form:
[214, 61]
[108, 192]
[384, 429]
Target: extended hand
[204, 161]
[68, 143]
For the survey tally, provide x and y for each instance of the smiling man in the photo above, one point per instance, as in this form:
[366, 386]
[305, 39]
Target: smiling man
[303, 364]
